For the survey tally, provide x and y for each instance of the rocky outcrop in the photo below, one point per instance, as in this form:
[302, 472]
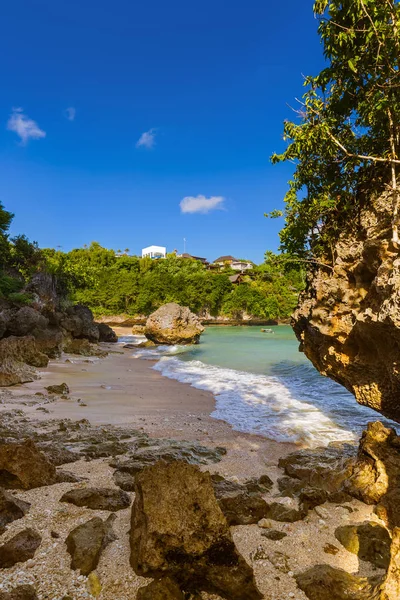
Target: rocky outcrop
[86, 542]
[348, 318]
[23, 466]
[178, 530]
[369, 541]
[17, 357]
[98, 498]
[11, 509]
[106, 334]
[20, 548]
[173, 324]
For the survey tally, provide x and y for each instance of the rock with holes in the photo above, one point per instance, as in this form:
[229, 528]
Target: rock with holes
[22, 466]
[179, 530]
[19, 548]
[11, 509]
[98, 498]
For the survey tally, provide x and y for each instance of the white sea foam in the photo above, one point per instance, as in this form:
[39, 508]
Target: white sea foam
[252, 403]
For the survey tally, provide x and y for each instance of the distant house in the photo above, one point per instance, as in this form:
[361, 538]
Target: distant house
[154, 252]
[238, 278]
[199, 258]
[234, 263]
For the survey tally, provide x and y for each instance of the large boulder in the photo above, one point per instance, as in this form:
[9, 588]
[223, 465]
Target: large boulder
[78, 321]
[369, 541]
[23, 466]
[25, 321]
[173, 324]
[161, 589]
[179, 530]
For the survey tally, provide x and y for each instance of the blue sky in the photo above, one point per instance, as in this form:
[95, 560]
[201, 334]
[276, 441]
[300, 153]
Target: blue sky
[113, 113]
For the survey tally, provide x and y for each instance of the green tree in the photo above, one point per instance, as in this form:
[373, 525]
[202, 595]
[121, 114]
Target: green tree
[348, 132]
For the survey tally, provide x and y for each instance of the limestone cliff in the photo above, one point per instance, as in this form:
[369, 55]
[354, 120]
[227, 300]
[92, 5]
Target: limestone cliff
[348, 318]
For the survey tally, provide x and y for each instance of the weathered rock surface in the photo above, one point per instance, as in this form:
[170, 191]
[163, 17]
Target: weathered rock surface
[11, 509]
[278, 511]
[348, 319]
[23, 466]
[62, 388]
[179, 530]
[125, 481]
[78, 321]
[26, 321]
[83, 347]
[369, 541]
[173, 324]
[98, 498]
[17, 357]
[86, 542]
[19, 548]
[21, 592]
[106, 334]
[162, 589]
[324, 582]
[242, 504]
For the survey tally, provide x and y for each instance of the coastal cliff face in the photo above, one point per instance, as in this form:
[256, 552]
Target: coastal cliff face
[348, 318]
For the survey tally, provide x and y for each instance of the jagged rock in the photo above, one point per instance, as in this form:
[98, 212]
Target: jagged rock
[348, 319]
[86, 542]
[21, 592]
[17, 357]
[173, 324]
[79, 322]
[162, 589]
[376, 473]
[11, 509]
[98, 498]
[168, 451]
[49, 341]
[106, 334]
[321, 468]
[44, 289]
[369, 541]
[324, 582]
[60, 389]
[278, 511]
[19, 548]
[311, 497]
[179, 530]
[58, 454]
[25, 321]
[125, 481]
[23, 466]
[83, 347]
[241, 504]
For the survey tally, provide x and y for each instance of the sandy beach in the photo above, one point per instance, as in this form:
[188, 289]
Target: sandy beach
[121, 390]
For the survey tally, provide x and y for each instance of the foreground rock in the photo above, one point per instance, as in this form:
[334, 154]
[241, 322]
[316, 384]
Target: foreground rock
[23, 466]
[20, 548]
[324, 582]
[98, 498]
[163, 589]
[22, 592]
[178, 529]
[173, 324]
[11, 509]
[106, 334]
[86, 542]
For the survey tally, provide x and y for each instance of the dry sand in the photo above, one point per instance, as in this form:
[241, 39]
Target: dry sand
[123, 390]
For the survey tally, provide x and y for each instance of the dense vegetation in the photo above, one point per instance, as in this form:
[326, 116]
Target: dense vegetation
[112, 284]
[346, 141]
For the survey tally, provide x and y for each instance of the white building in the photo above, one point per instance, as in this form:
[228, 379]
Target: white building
[154, 252]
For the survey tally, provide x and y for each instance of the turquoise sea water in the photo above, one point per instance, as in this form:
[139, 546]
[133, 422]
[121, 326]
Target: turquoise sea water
[264, 385]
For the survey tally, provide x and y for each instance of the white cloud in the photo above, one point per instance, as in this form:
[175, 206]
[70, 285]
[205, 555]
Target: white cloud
[147, 139]
[26, 128]
[201, 204]
[70, 113]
